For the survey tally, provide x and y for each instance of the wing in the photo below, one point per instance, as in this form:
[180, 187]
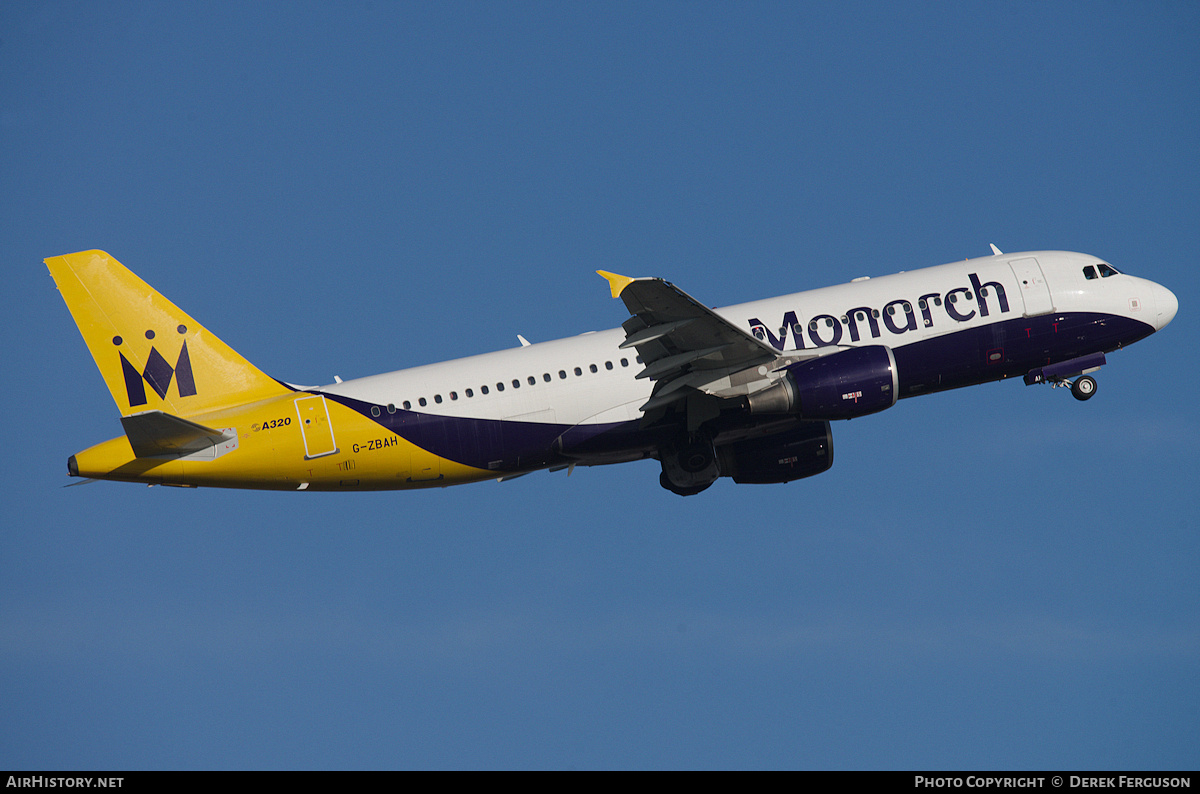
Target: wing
[688, 348]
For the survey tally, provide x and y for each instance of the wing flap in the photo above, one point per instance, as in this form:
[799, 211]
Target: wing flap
[661, 366]
[653, 332]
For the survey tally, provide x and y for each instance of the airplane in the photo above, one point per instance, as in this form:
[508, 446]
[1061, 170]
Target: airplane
[746, 391]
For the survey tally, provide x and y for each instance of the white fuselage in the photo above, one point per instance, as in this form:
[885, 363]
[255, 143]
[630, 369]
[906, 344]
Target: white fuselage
[588, 379]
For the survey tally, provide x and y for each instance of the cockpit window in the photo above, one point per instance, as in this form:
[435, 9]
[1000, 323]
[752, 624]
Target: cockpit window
[1107, 270]
[1089, 273]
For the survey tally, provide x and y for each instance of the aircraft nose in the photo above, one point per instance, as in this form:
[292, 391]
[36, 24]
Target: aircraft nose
[1166, 305]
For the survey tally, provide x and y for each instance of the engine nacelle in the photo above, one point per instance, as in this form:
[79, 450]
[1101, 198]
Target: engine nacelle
[844, 385]
[801, 452]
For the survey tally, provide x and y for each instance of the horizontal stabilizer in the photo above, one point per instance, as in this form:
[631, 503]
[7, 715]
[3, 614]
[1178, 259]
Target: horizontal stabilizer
[155, 433]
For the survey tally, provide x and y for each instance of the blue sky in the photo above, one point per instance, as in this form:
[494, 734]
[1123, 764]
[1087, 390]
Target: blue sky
[998, 577]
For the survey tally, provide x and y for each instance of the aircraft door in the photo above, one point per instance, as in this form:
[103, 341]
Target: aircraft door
[315, 427]
[1035, 292]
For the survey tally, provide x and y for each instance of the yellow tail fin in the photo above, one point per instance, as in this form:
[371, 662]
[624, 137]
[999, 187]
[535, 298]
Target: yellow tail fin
[152, 355]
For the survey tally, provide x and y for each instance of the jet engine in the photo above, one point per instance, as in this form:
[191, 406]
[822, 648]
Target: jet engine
[798, 453]
[842, 385]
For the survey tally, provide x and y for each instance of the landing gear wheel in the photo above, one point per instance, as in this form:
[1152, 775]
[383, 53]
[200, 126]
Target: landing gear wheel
[696, 458]
[665, 482]
[1083, 388]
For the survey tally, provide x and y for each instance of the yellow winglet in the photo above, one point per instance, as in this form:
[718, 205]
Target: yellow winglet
[616, 282]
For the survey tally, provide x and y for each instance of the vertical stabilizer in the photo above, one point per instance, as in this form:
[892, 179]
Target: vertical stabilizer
[152, 355]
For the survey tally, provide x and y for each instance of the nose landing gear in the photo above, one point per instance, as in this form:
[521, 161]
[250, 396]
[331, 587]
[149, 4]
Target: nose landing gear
[1083, 388]
[1060, 374]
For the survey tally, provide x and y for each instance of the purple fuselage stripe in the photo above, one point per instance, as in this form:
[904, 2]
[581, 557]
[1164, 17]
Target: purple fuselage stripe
[963, 358]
